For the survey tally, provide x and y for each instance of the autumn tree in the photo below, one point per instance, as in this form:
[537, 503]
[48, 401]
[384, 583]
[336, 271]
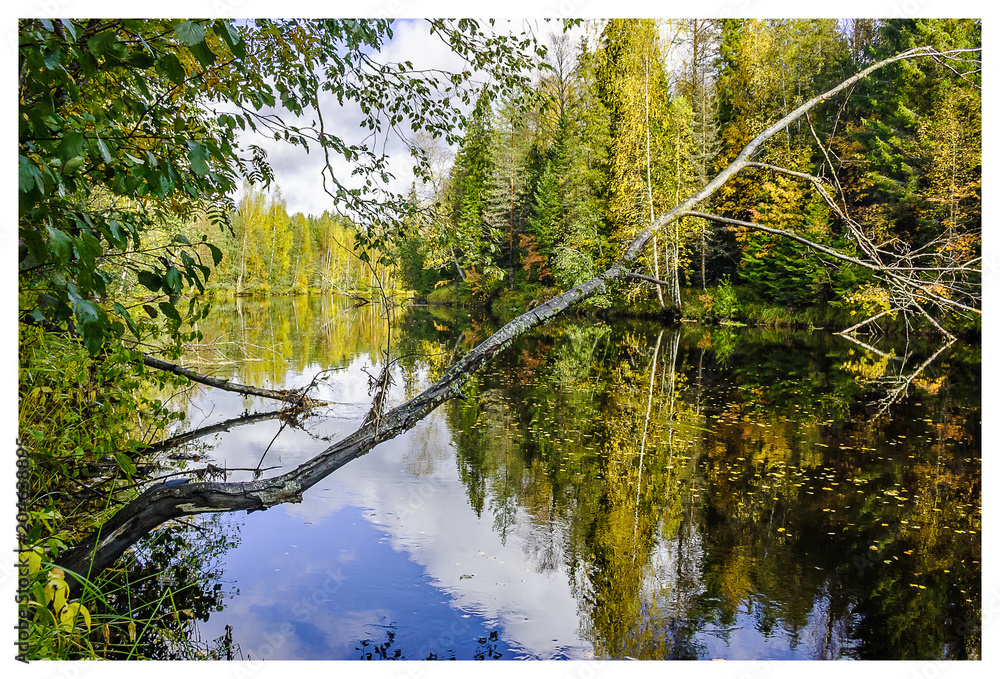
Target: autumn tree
[697, 82]
[633, 87]
[302, 253]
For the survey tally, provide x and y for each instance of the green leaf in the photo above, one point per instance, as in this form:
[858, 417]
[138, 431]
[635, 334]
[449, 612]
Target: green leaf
[216, 253]
[73, 165]
[125, 462]
[60, 244]
[73, 144]
[169, 310]
[197, 155]
[141, 59]
[68, 25]
[89, 249]
[102, 43]
[232, 38]
[171, 67]
[172, 281]
[123, 312]
[190, 33]
[26, 172]
[150, 310]
[204, 55]
[150, 280]
[52, 58]
[104, 150]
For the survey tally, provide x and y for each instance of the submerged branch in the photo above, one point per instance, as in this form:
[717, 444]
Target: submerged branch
[294, 396]
[221, 427]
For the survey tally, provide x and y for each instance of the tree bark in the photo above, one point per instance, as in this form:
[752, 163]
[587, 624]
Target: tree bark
[165, 501]
[294, 396]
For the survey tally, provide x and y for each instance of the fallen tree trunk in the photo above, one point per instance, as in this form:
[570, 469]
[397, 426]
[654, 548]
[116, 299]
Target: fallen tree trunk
[294, 396]
[166, 501]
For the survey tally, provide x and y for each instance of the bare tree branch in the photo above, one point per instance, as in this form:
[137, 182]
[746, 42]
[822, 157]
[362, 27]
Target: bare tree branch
[918, 288]
[649, 279]
[850, 330]
[296, 397]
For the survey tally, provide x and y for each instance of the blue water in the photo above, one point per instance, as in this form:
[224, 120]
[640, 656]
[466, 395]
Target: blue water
[335, 589]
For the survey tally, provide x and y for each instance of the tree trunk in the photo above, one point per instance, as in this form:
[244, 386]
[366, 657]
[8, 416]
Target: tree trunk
[649, 191]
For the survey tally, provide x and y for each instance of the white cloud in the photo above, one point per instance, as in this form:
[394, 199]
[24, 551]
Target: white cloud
[299, 174]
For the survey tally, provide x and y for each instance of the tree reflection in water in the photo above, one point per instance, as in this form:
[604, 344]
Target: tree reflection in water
[707, 492]
[692, 493]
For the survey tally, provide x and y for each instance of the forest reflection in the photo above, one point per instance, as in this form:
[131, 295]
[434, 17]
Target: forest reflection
[708, 491]
[696, 480]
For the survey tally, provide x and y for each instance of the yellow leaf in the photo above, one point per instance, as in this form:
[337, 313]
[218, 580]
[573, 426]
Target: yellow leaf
[33, 559]
[56, 589]
[67, 618]
[131, 631]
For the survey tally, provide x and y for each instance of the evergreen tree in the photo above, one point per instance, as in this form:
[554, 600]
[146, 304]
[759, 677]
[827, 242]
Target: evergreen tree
[503, 210]
[475, 243]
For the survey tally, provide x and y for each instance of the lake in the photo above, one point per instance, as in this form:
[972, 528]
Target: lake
[608, 490]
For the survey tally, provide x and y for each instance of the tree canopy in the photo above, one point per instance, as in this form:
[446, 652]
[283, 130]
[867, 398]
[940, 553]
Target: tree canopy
[129, 127]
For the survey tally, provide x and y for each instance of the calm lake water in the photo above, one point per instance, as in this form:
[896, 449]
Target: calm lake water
[608, 490]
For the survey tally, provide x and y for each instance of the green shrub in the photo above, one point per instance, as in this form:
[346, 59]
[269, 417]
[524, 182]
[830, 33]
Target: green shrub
[725, 301]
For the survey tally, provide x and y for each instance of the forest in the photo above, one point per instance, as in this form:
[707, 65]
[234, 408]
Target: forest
[801, 173]
[543, 192]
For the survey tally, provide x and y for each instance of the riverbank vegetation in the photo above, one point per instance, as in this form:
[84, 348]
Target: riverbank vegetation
[141, 198]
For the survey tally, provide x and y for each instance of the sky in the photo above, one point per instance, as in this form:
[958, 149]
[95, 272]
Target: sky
[297, 172]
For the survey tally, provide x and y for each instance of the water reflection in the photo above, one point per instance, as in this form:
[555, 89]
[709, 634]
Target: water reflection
[608, 490]
[752, 499]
